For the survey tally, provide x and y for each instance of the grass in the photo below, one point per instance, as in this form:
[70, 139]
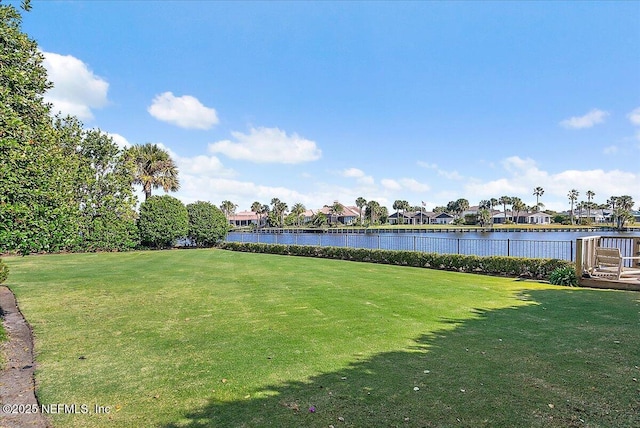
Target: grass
[199, 338]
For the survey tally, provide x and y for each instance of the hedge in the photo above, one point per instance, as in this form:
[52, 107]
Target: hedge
[489, 265]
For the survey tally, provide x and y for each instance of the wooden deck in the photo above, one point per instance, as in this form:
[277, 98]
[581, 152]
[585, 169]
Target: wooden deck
[585, 261]
[631, 284]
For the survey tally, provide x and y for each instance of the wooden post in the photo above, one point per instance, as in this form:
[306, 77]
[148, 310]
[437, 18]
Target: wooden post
[579, 257]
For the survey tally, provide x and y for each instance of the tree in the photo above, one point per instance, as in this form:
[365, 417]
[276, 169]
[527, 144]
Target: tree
[37, 211]
[461, 205]
[207, 224]
[277, 212]
[319, 219]
[297, 210]
[336, 209]
[360, 203]
[103, 190]
[517, 206]
[590, 195]
[228, 208]
[163, 220]
[611, 202]
[538, 191]
[504, 200]
[256, 207]
[154, 168]
[397, 205]
[264, 212]
[484, 217]
[573, 196]
[372, 211]
[493, 202]
[623, 212]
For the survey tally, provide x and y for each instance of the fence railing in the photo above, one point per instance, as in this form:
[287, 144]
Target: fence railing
[563, 250]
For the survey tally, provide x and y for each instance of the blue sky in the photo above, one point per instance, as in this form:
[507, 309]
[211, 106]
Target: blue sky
[315, 102]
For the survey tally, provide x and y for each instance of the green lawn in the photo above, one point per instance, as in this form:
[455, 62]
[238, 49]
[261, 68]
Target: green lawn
[198, 338]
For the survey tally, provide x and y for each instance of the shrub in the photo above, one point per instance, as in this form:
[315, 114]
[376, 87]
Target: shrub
[492, 265]
[4, 272]
[207, 224]
[163, 220]
[564, 276]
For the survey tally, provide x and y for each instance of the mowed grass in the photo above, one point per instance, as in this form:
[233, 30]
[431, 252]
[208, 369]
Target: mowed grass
[203, 338]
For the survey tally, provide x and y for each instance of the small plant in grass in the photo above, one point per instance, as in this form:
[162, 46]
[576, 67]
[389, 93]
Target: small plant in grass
[4, 272]
[564, 276]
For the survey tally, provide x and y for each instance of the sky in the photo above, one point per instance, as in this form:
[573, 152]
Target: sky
[314, 102]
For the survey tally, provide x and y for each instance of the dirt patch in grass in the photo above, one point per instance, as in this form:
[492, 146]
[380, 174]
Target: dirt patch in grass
[17, 385]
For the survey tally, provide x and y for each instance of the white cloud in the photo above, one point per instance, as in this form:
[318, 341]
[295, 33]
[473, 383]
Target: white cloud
[404, 183]
[610, 150]
[268, 145]
[185, 111]
[76, 89]
[590, 119]
[524, 175]
[204, 166]
[414, 185]
[451, 175]
[634, 117]
[359, 175]
[390, 184]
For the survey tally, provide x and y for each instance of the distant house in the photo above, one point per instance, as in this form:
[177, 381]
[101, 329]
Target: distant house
[522, 218]
[243, 218]
[401, 218]
[538, 218]
[442, 218]
[348, 215]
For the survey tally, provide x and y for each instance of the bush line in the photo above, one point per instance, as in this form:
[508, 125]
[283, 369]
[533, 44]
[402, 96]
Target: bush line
[489, 265]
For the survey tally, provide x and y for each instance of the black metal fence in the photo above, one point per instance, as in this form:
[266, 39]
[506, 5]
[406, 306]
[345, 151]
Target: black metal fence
[563, 250]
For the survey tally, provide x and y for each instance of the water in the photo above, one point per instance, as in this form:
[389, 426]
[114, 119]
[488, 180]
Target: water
[558, 245]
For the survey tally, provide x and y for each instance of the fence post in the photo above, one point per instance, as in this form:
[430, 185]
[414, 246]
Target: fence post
[458, 250]
[508, 247]
[571, 249]
[414, 243]
[378, 242]
[579, 256]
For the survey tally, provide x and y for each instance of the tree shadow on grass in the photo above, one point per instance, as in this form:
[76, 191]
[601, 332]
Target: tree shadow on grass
[568, 359]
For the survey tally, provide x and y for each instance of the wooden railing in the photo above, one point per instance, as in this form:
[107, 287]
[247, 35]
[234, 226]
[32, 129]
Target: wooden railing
[586, 250]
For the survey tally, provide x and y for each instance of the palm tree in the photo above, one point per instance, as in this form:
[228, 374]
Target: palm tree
[154, 168]
[611, 202]
[404, 206]
[590, 195]
[573, 196]
[335, 210]
[228, 208]
[504, 200]
[493, 202]
[297, 210]
[461, 205]
[373, 210]
[256, 207]
[517, 206]
[361, 202]
[397, 205]
[538, 191]
[264, 212]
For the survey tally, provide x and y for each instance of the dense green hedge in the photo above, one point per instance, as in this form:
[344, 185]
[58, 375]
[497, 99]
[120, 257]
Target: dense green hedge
[491, 265]
[4, 272]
